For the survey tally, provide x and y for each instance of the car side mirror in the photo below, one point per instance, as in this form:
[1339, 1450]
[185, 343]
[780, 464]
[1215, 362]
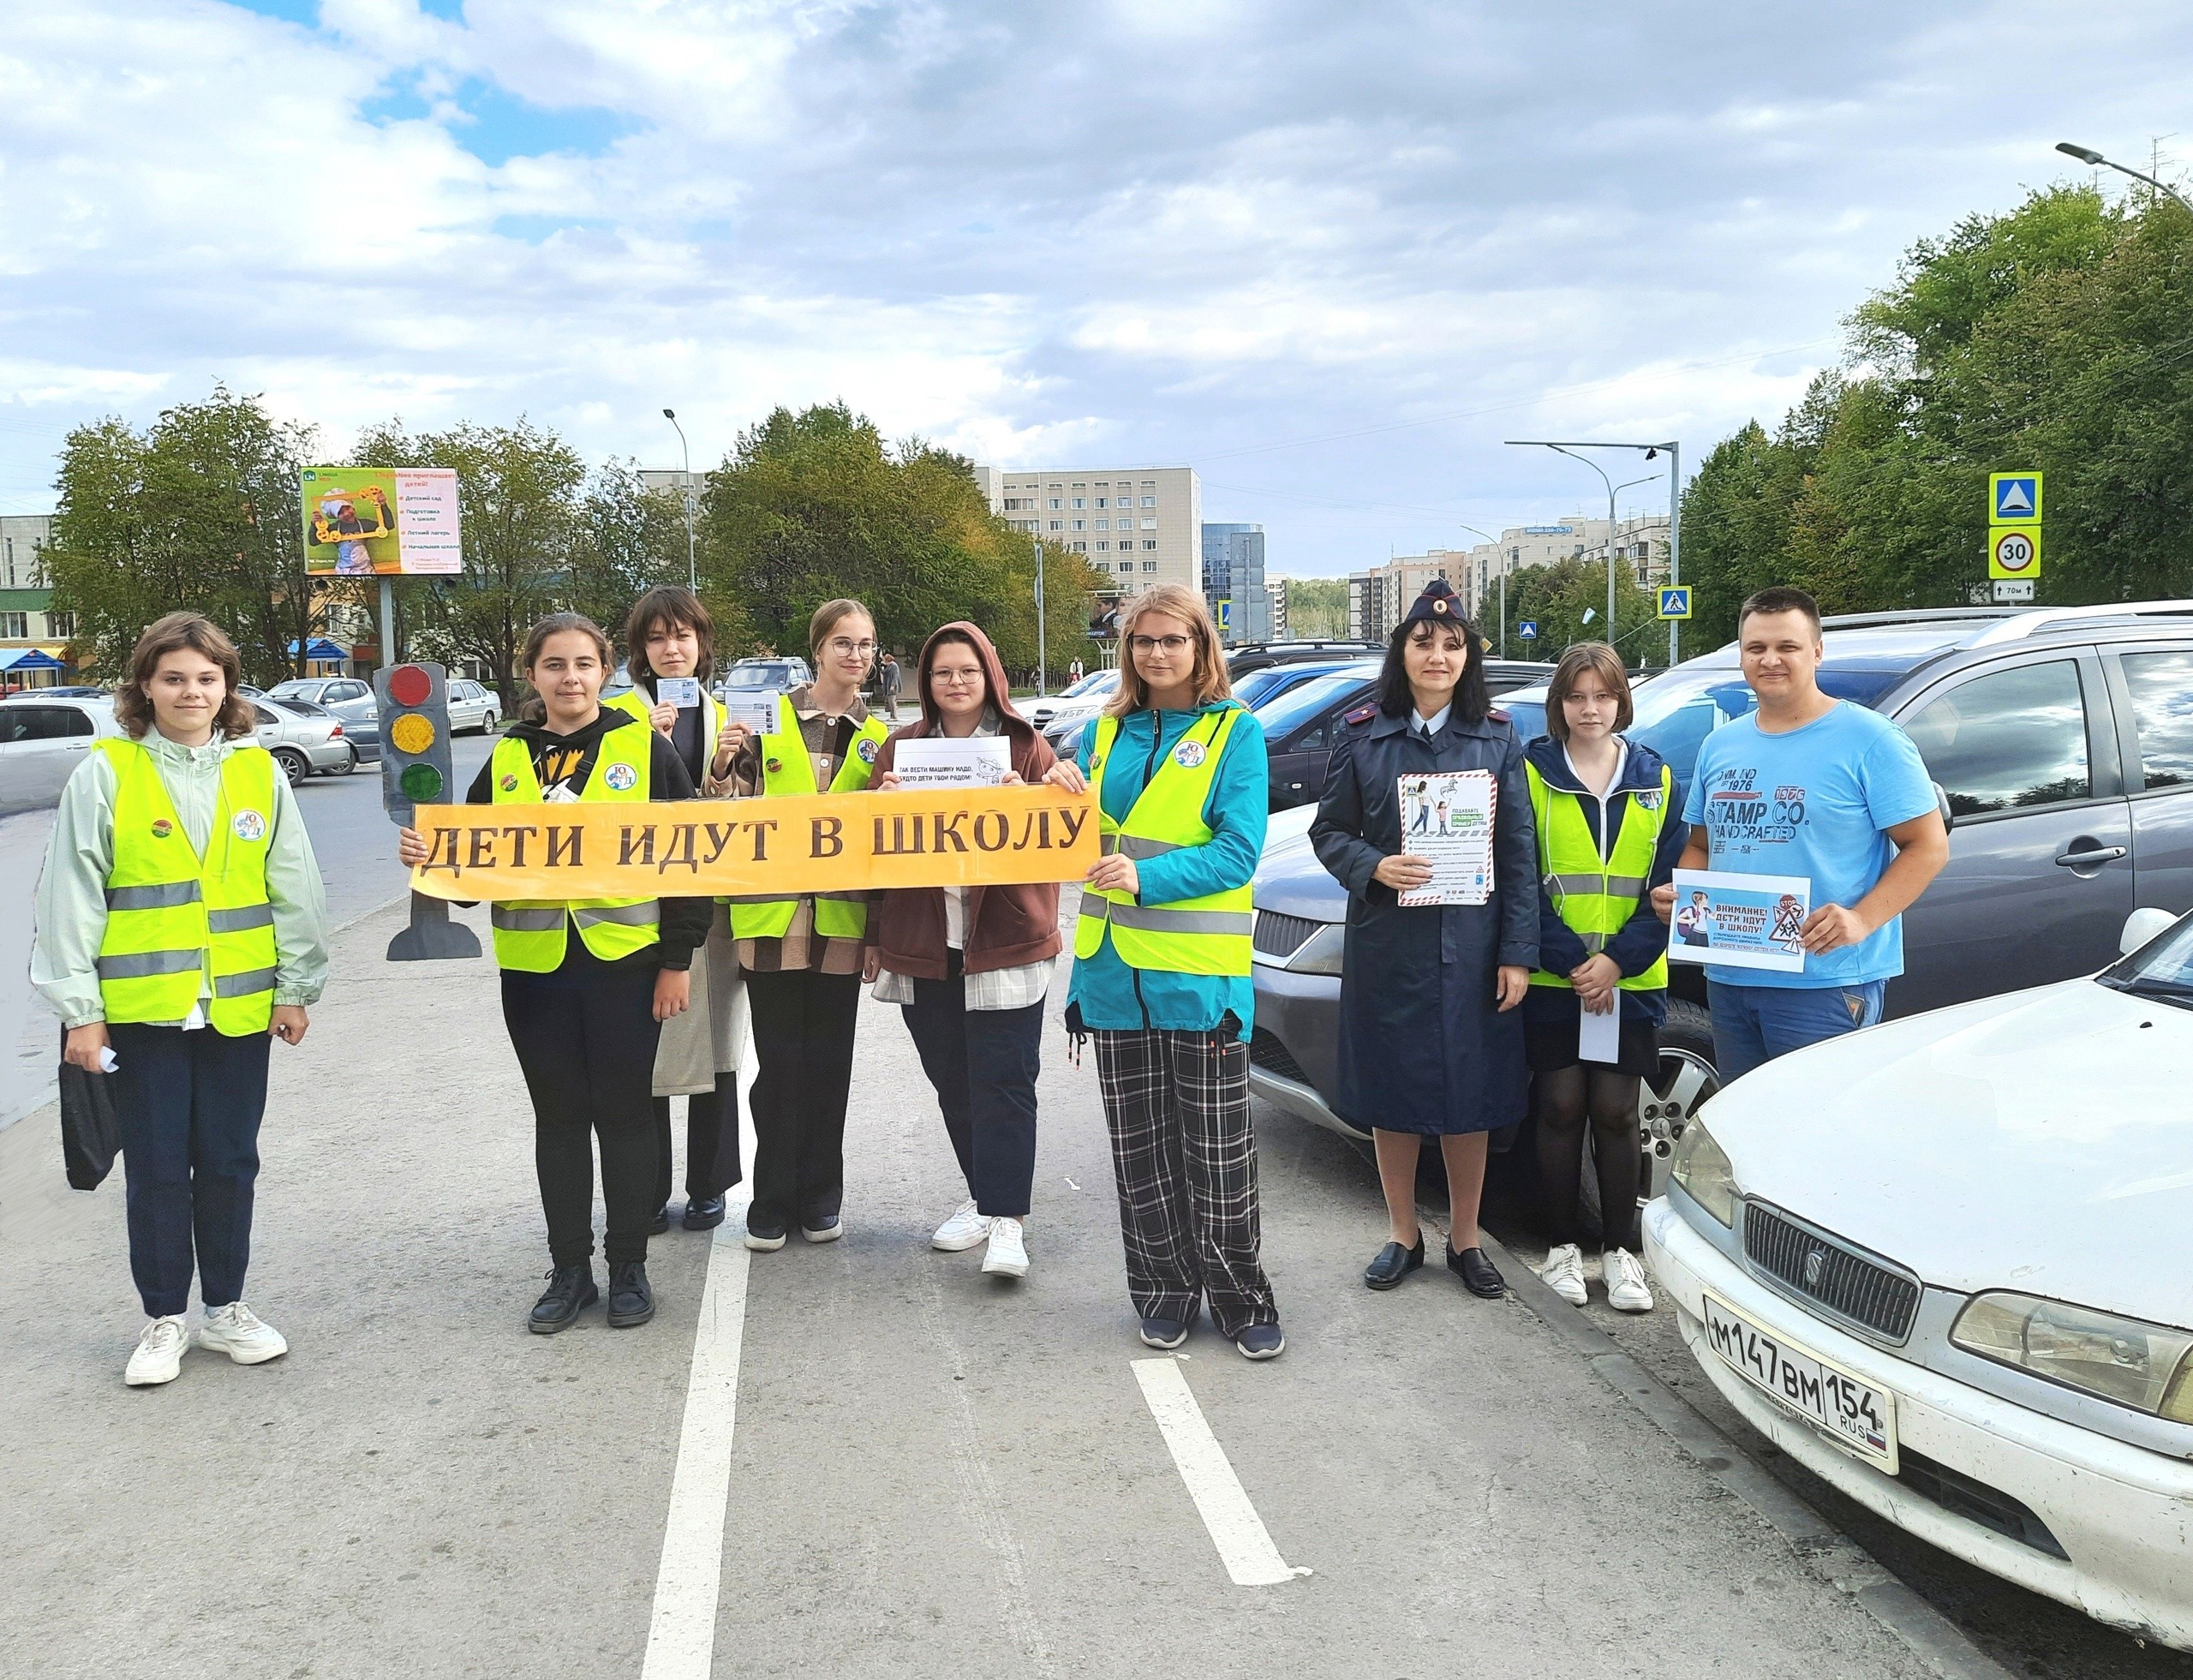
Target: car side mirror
[2140, 926]
[1942, 804]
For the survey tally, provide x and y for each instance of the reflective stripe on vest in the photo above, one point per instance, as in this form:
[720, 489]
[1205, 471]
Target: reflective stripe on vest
[787, 767]
[1596, 897]
[1209, 934]
[175, 921]
[531, 935]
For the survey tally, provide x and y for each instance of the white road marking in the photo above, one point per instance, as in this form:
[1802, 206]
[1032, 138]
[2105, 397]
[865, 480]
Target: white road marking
[682, 1636]
[1245, 1547]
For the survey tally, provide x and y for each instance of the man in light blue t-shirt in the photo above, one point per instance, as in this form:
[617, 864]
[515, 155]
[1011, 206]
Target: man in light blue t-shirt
[1815, 786]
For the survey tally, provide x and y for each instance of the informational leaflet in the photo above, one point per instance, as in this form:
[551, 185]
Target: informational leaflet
[981, 760]
[678, 691]
[1599, 1038]
[1740, 921]
[755, 709]
[1447, 821]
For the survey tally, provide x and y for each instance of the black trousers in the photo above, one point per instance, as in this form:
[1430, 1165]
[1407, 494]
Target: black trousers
[804, 1053]
[983, 1063]
[188, 1105]
[585, 1035]
[711, 1143]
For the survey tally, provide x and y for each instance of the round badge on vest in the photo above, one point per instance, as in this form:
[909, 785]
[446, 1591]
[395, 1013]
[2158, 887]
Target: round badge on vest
[248, 825]
[162, 828]
[1188, 755]
[510, 784]
[867, 750]
[622, 778]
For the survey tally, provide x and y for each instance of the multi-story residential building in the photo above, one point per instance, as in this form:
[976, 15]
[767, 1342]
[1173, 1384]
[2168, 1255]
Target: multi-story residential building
[33, 637]
[1378, 598]
[1276, 592]
[1642, 541]
[1139, 525]
[1234, 570]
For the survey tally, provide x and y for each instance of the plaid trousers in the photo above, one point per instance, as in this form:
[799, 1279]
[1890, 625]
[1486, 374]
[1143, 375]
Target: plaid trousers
[1177, 1104]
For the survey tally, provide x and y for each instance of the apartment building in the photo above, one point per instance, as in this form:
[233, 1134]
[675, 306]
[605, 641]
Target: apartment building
[1275, 593]
[33, 637]
[1378, 598]
[1234, 570]
[1642, 541]
[1139, 525]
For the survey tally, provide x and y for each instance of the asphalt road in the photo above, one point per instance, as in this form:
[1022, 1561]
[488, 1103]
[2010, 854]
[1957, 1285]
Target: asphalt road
[355, 844]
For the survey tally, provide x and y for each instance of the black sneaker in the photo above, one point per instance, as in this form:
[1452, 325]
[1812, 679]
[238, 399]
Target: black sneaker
[630, 1301]
[1261, 1341]
[1166, 1333]
[822, 1227]
[763, 1237]
[570, 1291]
[660, 1222]
[703, 1213]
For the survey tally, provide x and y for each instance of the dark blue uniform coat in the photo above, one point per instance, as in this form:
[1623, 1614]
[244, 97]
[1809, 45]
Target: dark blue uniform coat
[1423, 1045]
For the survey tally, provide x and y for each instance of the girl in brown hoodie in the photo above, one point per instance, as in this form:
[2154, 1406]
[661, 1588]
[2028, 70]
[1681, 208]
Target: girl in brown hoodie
[969, 967]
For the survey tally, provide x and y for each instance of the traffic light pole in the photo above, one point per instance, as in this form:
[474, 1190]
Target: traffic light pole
[387, 622]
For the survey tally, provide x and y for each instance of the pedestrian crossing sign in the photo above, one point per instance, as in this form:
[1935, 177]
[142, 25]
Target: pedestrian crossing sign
[1674, 603]
[2014, 498]
[1225, 613]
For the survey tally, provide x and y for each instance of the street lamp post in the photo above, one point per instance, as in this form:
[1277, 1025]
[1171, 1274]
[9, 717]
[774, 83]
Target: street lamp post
[2086, 154]
[692, 573]
[1478, 604]
[1568, 446]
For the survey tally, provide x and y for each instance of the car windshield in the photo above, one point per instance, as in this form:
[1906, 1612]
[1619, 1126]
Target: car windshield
[297, 702]
[758, 676]
[294, 687]
[1096, 682]
[1299, 705]
[2160, 969]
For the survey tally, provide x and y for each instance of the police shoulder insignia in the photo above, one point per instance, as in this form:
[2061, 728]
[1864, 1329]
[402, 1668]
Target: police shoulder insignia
[867, 749]
[1497, 716]
[1361, 714]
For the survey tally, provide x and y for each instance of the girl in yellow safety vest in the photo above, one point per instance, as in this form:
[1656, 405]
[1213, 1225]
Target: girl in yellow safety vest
[587, 984]
[180, 926]
[1606, 836]
[801, 957]
[669, 634]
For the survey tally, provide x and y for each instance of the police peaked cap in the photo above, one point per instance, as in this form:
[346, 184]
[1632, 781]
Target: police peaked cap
[1437, 605]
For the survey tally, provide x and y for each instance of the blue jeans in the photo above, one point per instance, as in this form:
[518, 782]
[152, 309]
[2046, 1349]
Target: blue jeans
[1752, 1025]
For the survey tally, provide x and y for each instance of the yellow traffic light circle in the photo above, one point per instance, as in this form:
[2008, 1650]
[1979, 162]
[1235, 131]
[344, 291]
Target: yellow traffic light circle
[411, 733]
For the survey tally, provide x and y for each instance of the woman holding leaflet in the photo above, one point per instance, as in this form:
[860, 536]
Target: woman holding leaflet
[1430, 1044]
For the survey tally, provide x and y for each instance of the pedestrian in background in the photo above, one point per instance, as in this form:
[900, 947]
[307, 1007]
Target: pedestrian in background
[587, 983]
[1430, 1044]
[1161, 973]
[1814, 787]
[182, 926]
[802, 957]
[1074, 671]
[886, 686]
[669, 633]
[970, 965]
[1607, 834]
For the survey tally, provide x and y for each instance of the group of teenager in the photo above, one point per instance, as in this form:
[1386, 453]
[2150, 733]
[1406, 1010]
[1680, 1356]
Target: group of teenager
[182, 925]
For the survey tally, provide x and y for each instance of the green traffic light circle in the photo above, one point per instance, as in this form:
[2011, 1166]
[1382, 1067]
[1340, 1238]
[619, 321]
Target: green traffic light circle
[421, 782]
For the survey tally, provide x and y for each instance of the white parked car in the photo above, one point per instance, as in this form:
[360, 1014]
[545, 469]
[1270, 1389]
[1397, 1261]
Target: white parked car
[43, 738]
[1943, 1264]
[303, 744]
[1054, 714]
[473, 705]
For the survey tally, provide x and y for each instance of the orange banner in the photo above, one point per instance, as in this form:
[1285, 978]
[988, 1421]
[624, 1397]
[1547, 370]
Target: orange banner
[748, 848]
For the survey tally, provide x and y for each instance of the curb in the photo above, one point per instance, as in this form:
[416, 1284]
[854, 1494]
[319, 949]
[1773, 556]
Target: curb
[1822, 1547]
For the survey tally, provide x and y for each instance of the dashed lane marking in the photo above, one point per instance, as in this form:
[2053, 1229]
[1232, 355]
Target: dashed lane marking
[1245, 1545]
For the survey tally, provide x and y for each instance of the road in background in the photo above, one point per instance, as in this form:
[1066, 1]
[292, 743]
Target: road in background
[353, 842]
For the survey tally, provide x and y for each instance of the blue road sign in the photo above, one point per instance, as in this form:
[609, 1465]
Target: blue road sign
[1674, 603]
[2016, 497]
[1527, 629]
[1225, 612]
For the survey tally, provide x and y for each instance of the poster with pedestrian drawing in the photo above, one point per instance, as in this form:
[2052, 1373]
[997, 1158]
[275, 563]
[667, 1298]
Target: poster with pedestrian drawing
[1447, 821]
[1740, 921]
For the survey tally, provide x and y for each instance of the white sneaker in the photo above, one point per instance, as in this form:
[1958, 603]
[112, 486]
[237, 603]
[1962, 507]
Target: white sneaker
[158, 1355]
[966, 1229]
[1008, 1254]
[1564, 1274]
[1627, 1290]
[234, 1330]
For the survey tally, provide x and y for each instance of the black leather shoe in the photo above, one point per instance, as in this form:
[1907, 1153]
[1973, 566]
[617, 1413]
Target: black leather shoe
[1478, 1274]
[703, 1213]
[570, 1291]
[630, 1301]
[1393, 1264]
[660, 1222]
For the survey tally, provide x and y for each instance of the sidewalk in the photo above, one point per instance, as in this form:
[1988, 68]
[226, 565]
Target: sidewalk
[933, 1474]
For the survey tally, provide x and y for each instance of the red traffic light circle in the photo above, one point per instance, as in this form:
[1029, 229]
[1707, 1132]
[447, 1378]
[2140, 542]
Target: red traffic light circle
[410, 685]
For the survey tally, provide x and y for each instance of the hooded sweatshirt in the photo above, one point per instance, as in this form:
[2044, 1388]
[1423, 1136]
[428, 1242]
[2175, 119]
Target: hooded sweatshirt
[1005, 926]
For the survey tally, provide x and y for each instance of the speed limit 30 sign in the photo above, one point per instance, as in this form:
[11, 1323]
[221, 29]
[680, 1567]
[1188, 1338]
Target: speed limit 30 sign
[2014, 551]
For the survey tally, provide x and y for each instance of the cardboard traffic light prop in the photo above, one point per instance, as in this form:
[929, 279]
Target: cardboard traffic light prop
[416, 770]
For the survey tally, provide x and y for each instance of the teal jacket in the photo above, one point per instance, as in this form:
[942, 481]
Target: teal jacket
[1114, 998]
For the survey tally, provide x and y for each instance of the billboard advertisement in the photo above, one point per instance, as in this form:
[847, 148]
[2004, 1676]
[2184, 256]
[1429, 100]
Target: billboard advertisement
[392, 521]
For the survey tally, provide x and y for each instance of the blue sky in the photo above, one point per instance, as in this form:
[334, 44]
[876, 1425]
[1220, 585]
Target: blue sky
[1331, 256]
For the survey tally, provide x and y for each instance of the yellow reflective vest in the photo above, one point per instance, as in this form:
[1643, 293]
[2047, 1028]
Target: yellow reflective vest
[787, 769]
[530, 934]
[1596, 896]
[173, 917]
[1209, 934]
[634, 703]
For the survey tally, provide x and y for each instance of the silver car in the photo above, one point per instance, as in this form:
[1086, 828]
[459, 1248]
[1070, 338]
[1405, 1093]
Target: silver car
[43, 738]
[473, 706]
[350, 700]
[302, 745]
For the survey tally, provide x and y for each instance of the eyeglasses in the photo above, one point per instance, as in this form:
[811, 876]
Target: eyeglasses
[1151, 644]
[844, 648]
[955, 679]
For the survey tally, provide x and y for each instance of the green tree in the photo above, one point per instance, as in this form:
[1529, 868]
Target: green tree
[1558, 596]
[630, 539]
[199, 511]
[1317, 608]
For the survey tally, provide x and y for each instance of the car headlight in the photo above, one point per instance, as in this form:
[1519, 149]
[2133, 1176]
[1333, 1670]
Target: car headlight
[2145, 1366]
[1702, 1168]
[1320, 953]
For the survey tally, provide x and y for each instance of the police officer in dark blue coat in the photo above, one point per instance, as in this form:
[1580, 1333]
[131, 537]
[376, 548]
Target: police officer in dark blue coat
[1430, 1040]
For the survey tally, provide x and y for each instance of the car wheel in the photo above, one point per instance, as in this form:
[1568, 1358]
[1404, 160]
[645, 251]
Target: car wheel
[350, 761]
[294, 766]
[1687, 1077]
